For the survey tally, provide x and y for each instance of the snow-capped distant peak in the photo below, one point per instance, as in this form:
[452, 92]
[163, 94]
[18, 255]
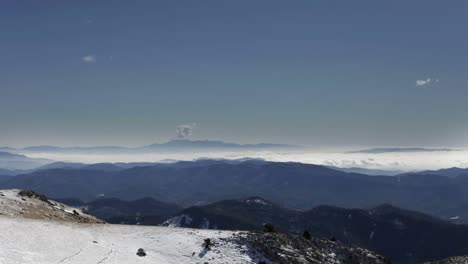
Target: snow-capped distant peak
[257, 200]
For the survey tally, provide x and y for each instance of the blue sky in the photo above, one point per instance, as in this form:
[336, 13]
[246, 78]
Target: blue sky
[318, 73]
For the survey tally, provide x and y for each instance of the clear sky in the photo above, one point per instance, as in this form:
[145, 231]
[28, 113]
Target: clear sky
[318, 73]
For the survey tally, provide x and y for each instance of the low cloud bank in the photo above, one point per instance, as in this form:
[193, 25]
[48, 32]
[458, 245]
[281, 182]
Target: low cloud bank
[387, 161]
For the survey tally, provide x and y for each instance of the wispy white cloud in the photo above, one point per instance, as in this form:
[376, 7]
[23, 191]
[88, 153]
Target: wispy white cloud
[89, 58]
[185, 130]
[427, 81]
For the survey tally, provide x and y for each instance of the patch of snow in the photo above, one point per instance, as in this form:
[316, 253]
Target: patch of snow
[68, 210]
[178, 221]
[257, 201]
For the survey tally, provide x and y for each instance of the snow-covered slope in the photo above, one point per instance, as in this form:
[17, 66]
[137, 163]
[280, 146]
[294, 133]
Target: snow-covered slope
[32, 241]
[35, 241]
[28, 204]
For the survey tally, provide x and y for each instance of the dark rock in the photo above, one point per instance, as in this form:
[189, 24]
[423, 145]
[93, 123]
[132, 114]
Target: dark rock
[141, 252]
[33, 194]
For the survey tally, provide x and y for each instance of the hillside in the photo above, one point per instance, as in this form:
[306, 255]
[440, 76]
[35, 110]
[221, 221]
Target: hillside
[38, 230]
[145, 211]
[451, 260]
[291, 185]
[400, 234]
[449, 172]
[11, 162]
[28, 204]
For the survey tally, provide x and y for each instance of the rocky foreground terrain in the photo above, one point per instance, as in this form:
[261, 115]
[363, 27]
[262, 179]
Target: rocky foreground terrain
[282, 248]
[29, 204]
[451, 260]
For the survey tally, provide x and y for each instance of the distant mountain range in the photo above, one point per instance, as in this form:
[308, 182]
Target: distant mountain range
[401, 150]
[368, 171]
[449, 172]
[172, 145]
[5, 172]
[291, 185]
[115, 166]
[405, 236]
[10, 162]
[214, 144]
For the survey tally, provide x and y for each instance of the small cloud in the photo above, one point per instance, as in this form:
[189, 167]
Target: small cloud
[427, 81]
[89, 59]
[185, 130]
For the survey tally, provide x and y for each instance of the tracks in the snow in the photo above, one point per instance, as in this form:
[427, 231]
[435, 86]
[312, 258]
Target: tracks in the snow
[106, 257]
[66, 259]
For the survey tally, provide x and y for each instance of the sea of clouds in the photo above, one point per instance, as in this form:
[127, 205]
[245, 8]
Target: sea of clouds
[410, 161]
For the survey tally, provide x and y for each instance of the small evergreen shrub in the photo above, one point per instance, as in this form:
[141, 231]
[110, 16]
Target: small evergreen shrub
[268, 228]
[207, 243]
